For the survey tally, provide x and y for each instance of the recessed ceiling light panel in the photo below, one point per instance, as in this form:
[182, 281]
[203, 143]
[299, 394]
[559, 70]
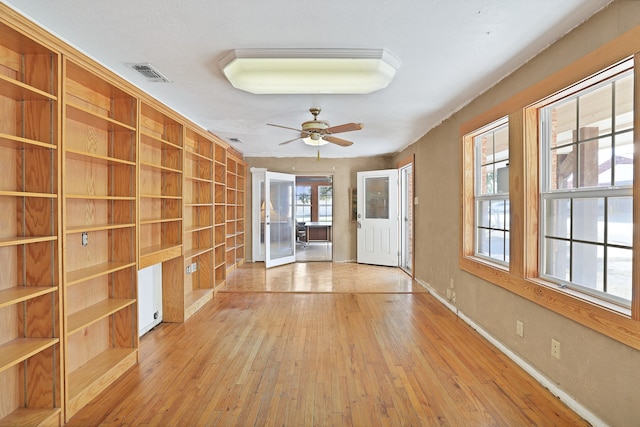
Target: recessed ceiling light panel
[305, 71]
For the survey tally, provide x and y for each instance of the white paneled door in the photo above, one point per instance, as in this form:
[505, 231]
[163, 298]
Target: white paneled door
[377, 215]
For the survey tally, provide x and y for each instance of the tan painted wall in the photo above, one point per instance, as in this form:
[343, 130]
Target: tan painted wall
[601, 374]
[344, 177]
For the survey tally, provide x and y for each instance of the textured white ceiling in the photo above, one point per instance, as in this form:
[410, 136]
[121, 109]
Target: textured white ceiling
[450, 51]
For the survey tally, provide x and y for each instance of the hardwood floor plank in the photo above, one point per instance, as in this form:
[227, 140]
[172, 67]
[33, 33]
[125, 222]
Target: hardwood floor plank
[341, 345]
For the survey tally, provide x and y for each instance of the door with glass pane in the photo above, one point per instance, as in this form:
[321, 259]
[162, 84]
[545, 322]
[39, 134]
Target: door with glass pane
[377, 214]
[280, 221]
[406, 215]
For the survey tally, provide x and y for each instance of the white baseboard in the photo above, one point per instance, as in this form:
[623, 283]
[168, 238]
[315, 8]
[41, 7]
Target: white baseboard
[538, 376]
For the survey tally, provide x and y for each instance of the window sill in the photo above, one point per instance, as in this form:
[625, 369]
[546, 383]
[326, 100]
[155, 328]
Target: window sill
[589, 299]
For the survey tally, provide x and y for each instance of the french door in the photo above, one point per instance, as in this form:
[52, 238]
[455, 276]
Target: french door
[280, 221]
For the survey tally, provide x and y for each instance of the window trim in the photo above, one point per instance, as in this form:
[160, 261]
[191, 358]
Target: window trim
[522, 276]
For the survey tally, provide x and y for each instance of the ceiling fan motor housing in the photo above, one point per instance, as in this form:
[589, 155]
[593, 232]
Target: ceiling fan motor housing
[314, 128]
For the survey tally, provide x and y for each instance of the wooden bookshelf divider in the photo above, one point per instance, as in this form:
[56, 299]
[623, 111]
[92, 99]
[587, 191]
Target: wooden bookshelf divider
[160, 165]
[220, 201]
[99, 222]
[30, 297]
[198, 196]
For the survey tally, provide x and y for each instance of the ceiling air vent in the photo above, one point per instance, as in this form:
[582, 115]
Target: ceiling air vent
[149, 72]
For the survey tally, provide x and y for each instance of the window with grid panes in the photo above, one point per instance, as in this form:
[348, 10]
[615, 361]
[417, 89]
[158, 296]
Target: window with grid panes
[586, 186]
[491, 159]
[303, 203]
[325, 203]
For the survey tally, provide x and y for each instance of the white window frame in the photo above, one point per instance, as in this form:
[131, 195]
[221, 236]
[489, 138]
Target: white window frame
[479, 197]
[547, 194]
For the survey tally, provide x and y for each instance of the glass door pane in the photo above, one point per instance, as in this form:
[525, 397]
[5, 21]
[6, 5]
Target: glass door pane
[376, 197]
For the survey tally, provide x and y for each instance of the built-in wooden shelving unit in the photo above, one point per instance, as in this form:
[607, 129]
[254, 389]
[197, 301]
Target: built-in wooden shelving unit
[30, 297]
[99, 221]
[160, 180]
[198, 221]
[97, 181]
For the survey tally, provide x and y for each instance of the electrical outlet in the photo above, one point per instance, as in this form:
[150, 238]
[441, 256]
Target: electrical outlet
[453, 297]
[85, 238]
[189, 269]
[194, 267]
[520, 328]
[448, 293]
[555, 349]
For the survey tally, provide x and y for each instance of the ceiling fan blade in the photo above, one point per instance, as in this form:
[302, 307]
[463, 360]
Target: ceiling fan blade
[347, 127]
[285, 127]
[338, 141]
[291, 140]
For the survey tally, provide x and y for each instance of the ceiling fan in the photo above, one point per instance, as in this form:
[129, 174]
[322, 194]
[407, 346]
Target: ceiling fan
[318, 132]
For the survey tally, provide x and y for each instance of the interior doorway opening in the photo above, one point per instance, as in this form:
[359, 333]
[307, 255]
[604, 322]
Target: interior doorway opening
[314, 218]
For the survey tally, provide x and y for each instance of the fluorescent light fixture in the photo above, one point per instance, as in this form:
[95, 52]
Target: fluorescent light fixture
[295, 71]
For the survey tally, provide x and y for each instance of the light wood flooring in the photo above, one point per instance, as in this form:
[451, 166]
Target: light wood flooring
[314, 251]
[323, 344]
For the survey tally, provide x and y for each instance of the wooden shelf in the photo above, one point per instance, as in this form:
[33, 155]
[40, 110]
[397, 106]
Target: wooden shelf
[29, 417]
[95, 158]
[158, 253]
[85, 317]
[96, 227]
[87, 117]
[15, 89]
[194, 300]
[154, 141]
[198, 156]
[159, 167]
[194, 252]
[195, 228]
[14, 241]
[88, 273]
[17, 142]
[195, 178]
[159, 221]
[99, 197]
[19, 294]
[160, 197]
[87, 381]
[28, 194]
[20, 349]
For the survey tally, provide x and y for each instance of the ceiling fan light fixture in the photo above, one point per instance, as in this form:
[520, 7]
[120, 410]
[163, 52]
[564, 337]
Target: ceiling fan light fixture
[305, 71]
[314, 140]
